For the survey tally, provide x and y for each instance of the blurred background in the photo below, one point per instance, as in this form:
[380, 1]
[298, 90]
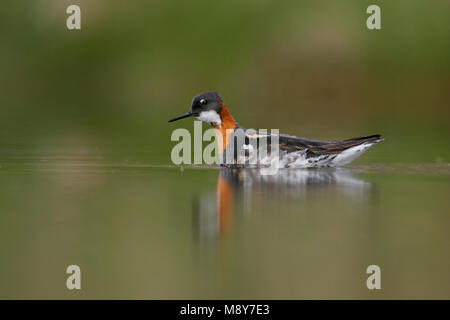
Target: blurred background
[309, 68]
[84, 142]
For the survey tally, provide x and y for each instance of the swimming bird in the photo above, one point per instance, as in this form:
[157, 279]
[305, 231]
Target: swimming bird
[293, 151]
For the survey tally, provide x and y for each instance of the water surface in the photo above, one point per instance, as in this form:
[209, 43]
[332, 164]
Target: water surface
[144, 231]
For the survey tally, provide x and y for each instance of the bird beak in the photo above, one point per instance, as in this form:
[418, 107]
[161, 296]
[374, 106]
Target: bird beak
[187, 114]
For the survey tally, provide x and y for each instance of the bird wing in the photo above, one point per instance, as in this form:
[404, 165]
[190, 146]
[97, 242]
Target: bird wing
[313, 148]
[318, 147]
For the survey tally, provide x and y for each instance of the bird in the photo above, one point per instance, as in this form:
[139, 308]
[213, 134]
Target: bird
[293, 151]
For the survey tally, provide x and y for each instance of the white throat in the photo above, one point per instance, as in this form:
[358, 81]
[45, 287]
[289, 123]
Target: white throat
[210, 116]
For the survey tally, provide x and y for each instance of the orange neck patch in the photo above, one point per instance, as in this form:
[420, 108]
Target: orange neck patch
[226, 128]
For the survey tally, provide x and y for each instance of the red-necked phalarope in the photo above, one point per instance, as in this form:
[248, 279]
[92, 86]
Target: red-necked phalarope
[294, 151]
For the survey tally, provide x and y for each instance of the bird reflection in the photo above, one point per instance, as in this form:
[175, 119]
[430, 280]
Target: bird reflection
[244, 190]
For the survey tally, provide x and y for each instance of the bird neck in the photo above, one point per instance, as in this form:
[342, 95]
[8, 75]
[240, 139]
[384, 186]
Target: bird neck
[226, 127]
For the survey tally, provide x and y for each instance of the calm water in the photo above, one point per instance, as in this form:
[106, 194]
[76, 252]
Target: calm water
[143, 231]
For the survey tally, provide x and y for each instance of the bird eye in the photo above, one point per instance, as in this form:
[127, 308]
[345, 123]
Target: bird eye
[203, 101]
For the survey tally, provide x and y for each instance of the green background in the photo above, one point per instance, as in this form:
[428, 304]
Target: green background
[308, 68]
